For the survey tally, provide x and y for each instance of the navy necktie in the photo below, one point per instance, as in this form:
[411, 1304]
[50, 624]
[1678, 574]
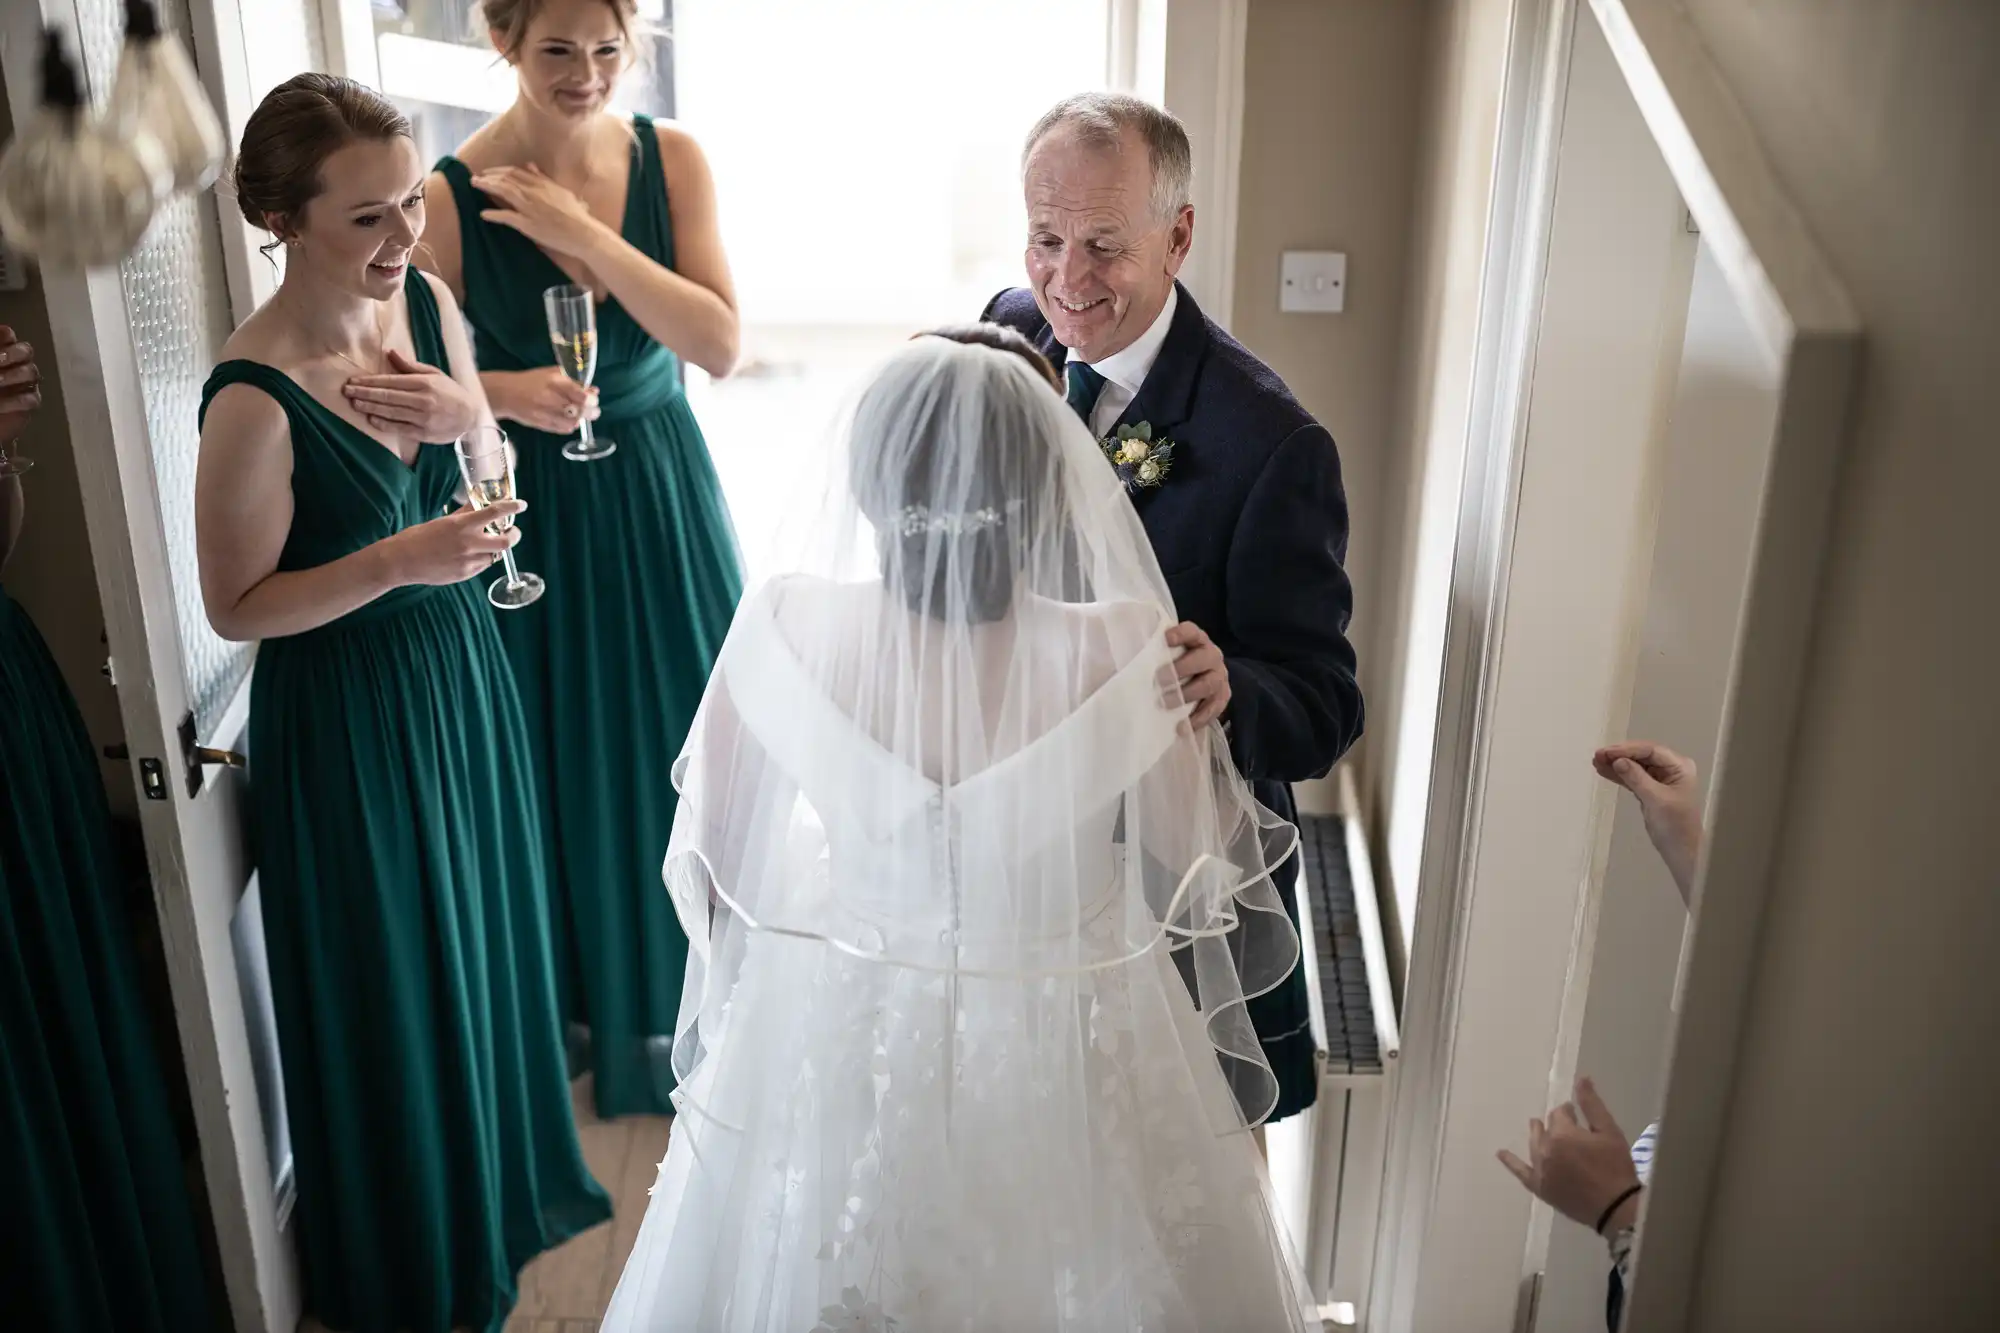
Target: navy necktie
[1084, 386]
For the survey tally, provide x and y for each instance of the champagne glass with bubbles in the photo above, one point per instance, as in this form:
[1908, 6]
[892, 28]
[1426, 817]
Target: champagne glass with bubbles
[487, 462]
[572, 312]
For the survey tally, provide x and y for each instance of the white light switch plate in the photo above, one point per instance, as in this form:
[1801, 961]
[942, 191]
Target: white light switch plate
[1313, 282]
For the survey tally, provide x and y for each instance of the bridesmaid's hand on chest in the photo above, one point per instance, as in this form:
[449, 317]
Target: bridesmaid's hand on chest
[415, 402]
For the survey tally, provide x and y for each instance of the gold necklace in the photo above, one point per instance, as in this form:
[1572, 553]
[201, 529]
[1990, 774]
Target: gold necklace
[381, 346]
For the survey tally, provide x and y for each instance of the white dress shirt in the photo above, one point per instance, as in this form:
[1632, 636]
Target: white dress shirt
[1125, 371]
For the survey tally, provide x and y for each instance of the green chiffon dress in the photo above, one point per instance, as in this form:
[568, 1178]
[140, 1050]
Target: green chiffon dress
[405, 915]
[98, 1234]
[643, 580]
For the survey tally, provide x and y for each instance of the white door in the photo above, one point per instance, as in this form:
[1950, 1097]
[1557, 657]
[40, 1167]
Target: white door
[133, 345]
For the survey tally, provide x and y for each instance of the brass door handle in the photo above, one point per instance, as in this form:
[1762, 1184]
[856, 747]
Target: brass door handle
[195, 758]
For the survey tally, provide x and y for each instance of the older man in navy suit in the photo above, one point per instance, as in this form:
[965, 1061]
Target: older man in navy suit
[1248, 516]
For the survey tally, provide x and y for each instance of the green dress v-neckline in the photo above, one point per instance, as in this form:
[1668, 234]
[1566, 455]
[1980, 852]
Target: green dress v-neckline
[349, 488]
[381, 446]
[635, 177]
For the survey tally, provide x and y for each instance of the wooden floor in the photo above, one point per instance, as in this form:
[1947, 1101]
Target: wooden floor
[566, 1290]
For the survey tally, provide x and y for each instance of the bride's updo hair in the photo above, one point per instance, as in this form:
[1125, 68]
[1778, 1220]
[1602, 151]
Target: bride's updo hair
[294, 130]
[1001, 339]
[952, 453]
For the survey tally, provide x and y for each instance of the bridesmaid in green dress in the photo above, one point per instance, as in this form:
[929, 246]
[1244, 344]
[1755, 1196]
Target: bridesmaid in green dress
[98, 1234]
[399, 846]
[636, 547]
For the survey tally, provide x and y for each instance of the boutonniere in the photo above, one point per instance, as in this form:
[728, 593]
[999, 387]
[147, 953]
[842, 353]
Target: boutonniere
[1141, 461]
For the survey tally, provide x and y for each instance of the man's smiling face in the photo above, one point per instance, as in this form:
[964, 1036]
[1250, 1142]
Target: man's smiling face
[1100, 259]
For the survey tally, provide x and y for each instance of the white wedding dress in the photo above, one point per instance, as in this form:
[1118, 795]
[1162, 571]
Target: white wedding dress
[953, 901]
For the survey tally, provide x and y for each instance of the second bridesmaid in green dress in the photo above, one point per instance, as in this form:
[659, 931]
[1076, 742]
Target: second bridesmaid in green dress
[399, 842]
[636, 546]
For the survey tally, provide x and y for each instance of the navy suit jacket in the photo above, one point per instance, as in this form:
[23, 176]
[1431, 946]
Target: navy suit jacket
[1250, 527]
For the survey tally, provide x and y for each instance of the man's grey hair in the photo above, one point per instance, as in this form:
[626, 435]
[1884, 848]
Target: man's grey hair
[1099, 120]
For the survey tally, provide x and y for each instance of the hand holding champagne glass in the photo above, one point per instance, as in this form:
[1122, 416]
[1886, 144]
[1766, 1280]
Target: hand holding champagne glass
[20, 395]
[487, 464]
[572, 312]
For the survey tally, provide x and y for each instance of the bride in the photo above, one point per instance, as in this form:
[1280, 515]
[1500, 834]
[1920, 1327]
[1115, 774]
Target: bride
[963, 1043]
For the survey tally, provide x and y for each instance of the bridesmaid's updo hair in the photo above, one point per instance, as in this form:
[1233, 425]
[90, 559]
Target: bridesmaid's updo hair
[508, 20]
[294, 130]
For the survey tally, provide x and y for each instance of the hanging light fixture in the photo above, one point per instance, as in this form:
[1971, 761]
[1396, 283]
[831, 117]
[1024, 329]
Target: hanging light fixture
[157, 95]
[72, 193]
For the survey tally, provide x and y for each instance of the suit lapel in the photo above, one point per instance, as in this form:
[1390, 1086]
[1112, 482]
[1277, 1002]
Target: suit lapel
[1166, 399]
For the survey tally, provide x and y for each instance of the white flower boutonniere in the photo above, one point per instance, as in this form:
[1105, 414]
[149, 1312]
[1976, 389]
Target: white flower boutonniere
[1141, 461]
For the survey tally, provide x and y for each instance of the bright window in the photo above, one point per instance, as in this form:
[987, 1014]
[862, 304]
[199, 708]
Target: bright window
[866, 161]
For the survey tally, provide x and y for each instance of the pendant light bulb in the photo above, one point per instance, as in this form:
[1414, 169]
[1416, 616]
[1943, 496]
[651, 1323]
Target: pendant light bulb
[157, 95]
[72, 194]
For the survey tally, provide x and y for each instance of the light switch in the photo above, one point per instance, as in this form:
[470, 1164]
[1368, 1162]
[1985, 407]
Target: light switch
[1313, 282]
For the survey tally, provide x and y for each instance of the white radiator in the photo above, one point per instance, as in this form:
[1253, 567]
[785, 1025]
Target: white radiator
[1327, 1163]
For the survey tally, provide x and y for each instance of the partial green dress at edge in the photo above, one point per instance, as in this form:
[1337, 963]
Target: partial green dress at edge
[400, 857]
[99, 1230]
[643, 580]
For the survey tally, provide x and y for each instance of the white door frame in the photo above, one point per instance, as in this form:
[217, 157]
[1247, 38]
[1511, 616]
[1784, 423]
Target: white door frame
[1187, 56]
[348, 33]
[194, 844]
[1805, 320]
[1532, 100]
[225, 73]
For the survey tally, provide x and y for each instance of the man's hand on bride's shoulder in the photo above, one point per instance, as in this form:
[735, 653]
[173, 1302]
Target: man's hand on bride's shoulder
[1203, 673]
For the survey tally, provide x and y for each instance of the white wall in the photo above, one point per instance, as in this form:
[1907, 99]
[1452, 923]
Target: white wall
[1722, 415]
[1857, 1178]
[1331, 122]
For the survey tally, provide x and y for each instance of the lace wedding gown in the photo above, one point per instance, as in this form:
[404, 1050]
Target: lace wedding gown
[963, 1046]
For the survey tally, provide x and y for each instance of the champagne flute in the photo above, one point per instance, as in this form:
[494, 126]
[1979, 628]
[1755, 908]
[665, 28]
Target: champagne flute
[572, 312]
[14, 465]
[487, 463]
